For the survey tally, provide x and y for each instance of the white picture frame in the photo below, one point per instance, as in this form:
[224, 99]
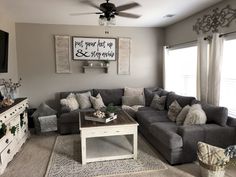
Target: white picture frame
[124, 56]
[94, 48]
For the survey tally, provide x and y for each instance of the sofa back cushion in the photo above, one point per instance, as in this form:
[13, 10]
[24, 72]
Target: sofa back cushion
[150, 92]
[65, 94]
[110, 96]
[182, 100]
[215, 114]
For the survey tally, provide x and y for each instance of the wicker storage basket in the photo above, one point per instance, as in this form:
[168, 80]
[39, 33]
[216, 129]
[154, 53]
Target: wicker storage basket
[211, 170]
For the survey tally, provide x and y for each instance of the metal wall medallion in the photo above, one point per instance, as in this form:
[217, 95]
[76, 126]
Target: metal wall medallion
[212, 22]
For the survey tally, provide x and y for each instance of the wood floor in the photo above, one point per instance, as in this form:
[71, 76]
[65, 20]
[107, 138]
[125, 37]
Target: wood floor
[34, 156]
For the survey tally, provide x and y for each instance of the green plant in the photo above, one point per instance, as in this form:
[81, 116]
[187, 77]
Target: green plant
[111, 109]
[106, 61]
[3, 129]
[13, 130]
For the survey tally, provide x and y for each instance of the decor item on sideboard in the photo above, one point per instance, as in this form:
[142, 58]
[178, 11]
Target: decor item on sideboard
[10, 87]
[89, 48]
[219, 18]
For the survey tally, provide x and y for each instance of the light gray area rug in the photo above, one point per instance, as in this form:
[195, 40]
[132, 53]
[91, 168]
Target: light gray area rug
[65, 160]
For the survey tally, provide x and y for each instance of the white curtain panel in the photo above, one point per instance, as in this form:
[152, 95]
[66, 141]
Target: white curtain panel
[165, 55]
[202, 69]
[215, 64]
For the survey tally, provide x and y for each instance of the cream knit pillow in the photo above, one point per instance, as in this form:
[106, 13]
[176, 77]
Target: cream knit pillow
[97, 102]
[195, 115]
[70, 102]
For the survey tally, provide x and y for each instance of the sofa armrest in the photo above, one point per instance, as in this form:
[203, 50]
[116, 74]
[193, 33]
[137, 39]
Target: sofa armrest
[231, 122]
[191, 135]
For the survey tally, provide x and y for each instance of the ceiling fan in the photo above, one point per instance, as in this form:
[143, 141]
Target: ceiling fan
[108, 10]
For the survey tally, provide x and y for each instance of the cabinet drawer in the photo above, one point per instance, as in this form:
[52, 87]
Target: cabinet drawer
[5, 140]
[109, 131]
[8, 153]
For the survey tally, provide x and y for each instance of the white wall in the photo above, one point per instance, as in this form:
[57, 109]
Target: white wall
[36, 57]
[8, 25]
[183, 31]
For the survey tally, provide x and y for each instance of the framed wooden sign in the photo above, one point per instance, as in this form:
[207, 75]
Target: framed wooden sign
[90, 48]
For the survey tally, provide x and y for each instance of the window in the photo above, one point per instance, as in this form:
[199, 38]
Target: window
[181, 70]
[228, 78]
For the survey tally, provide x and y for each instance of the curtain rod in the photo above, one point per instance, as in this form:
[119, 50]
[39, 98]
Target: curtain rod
[225, 34]
[170, 46]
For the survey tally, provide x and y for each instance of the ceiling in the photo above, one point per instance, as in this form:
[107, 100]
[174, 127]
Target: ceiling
[57, 11]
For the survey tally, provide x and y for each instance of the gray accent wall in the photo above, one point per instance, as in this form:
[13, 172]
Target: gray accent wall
[183, 31]
[36, 61]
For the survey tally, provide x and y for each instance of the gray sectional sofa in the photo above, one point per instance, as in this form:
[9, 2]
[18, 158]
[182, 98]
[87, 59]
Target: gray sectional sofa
[176, 143]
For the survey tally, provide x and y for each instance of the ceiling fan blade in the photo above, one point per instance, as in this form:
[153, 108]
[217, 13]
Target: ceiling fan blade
[128, 15]
[127, 6]
[85, 13]
[90, 3]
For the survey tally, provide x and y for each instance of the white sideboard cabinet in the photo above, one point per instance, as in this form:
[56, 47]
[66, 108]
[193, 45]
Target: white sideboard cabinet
[15, 123]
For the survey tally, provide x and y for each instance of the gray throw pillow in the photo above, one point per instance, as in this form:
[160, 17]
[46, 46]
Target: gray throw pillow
[158, 102]
[133, 100]
[43, 110]
[174, 110]
[84, 100]
[182, 115]
[195, 115]
[97, 102]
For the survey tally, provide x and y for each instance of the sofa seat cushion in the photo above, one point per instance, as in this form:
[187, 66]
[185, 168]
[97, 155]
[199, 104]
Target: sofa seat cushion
[73, 116]
[166, 132]
[146, 118]
[110, 95]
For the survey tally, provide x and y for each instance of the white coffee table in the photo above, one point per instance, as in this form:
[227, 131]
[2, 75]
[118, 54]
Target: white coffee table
[123, 125]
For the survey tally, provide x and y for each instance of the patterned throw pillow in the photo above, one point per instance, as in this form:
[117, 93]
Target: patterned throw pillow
[158, 102]
[70, 102]
[182, 115]
[174, 110]
[97, 102]
[195, 115]
[84, 100]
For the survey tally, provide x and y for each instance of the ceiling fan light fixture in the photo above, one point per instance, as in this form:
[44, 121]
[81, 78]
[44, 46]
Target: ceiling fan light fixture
[104, 21]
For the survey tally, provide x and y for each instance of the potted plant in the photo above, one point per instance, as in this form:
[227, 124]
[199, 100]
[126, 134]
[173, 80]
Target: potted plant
[111, 110]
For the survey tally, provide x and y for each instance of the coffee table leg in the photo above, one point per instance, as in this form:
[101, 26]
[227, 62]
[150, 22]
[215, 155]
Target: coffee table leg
[135, 145]
[83, 150]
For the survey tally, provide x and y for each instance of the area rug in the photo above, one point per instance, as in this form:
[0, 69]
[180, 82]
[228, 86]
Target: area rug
[65, 161]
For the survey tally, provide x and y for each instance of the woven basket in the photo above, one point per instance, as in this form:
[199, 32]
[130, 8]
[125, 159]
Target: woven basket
[211, 170]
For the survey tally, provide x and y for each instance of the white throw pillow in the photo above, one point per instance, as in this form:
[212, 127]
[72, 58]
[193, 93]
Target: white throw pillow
[70, 102]
[133, 91]
[84, 100]
[195, 115]
[97, 102]
[174, 110]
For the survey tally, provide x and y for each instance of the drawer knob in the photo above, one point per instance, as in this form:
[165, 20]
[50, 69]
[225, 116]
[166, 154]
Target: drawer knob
[25, 131]
[7, 141]
[8, 151]
[5, 117]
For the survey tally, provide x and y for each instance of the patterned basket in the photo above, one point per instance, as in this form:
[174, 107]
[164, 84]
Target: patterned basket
[211, 170]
